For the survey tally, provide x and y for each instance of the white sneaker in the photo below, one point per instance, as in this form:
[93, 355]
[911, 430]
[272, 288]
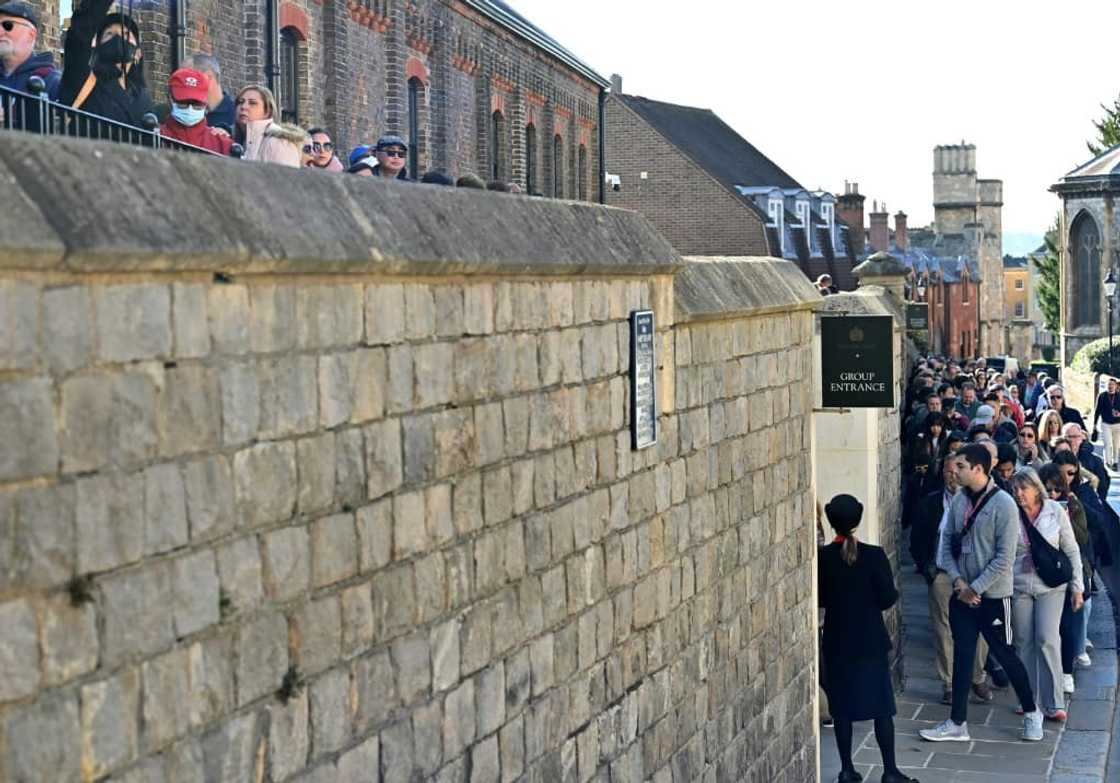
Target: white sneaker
[947, 731]
[1032, 726]
[1088, 645]
[1083, 660]
[1067, 683]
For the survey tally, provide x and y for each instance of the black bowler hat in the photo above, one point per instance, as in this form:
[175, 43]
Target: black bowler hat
[20, 10]
[844, 513]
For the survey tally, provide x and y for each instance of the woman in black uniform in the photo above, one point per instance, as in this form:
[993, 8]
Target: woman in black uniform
[855, 585]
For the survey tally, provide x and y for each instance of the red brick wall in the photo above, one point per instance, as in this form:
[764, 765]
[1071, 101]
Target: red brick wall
[356, 61]
[949, 302]
[695, 212]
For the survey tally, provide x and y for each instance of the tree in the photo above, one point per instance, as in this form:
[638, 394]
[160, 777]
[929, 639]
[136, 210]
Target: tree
[1049, 290]
[1108, 129]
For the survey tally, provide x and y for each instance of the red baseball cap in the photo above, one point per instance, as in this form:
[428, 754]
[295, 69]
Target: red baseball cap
[189, 85]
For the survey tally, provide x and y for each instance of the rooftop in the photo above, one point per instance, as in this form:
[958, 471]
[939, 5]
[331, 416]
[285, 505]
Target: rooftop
[505, 15]
[712, 144]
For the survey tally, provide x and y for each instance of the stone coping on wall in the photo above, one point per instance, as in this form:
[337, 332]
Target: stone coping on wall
[727, 286]
[79, 206]
[866, 300]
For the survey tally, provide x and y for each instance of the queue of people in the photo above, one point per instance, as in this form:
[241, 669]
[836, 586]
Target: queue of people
[104, 76]
[1005, 500]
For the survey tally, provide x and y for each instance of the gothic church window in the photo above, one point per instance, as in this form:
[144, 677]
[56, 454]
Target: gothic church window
[557, 167]
[497, 129]
[1085, 254]
[581, 185]
[289, 75]
[415, 91]
[530, 159]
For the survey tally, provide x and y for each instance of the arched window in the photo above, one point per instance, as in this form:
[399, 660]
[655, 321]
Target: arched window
[581, 173]
[289, 75]
[530, 158]
[557, 167]
[497, 130]
[415, 91]
[1085, 255]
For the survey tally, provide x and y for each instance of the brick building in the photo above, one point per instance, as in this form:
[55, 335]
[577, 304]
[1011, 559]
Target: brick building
[472, 84]
[711, 192]
[949, 284]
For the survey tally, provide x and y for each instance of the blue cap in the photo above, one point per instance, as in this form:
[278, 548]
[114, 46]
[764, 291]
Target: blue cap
[359, 152]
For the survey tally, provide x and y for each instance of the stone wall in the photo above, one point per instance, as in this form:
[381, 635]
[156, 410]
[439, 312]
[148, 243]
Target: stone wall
[355, 500]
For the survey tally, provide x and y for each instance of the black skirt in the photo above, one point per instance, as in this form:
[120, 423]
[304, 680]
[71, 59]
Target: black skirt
[859, 688]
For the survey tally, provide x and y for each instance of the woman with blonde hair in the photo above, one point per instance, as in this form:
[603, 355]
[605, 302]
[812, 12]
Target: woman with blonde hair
[1049, 427]
[855, 587]
[1036, 606]
[264, 138]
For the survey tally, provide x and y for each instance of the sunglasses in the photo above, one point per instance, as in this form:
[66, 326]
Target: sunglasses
[394, 153]
[316, 146]
[12, 24]
[1055, 396]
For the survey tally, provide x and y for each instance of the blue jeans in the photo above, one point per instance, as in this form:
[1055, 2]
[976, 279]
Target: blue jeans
[1074, 629]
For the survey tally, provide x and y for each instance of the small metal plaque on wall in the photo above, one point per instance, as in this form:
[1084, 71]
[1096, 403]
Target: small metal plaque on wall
[643, 382]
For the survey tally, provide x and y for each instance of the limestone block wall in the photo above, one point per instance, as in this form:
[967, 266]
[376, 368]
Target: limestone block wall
[360, 505]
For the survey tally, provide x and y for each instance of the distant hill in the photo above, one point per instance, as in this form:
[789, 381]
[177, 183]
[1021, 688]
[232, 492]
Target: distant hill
[1020, 244]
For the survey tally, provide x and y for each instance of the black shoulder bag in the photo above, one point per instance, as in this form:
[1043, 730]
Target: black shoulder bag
[1050, 563]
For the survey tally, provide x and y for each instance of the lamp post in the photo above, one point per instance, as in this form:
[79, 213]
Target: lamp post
[1109, 292]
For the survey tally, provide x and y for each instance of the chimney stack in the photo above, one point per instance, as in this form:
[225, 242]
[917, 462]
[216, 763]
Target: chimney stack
[849, 208]
[880, 229]
[901, 237]
[616, 84]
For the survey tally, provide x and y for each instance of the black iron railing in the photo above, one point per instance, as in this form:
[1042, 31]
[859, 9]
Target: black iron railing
[35, 112]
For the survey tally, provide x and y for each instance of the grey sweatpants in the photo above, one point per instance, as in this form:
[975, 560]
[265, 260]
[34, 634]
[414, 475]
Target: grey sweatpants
[1035, 622]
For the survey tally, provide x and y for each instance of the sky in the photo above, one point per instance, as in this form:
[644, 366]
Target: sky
[864, 90]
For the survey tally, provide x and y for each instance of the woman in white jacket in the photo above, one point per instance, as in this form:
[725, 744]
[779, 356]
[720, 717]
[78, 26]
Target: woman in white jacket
[265, 140]
[1036, 610]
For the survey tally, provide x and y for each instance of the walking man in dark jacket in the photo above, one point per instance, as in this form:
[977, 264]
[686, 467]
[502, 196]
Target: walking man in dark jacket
[977, 551]
[19, 32]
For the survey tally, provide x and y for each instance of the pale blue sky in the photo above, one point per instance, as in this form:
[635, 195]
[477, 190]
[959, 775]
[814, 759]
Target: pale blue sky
[863, 90]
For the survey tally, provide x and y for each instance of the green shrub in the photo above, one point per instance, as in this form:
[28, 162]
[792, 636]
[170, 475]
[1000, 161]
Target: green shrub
[1093, 357]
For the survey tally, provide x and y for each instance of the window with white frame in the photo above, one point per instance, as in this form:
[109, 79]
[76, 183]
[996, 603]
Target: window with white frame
[1019, 284]
[1020, 310]
[776, 212]
[803, 213]
[826, 214]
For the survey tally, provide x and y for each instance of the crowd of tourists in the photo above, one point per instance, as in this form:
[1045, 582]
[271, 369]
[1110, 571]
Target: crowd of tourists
[104, 76]
[1005, 503]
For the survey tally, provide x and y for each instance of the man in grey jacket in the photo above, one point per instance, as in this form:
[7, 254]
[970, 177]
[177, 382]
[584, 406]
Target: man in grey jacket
[977, 551]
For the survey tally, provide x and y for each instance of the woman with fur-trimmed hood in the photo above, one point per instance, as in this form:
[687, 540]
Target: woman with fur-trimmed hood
[265, 140]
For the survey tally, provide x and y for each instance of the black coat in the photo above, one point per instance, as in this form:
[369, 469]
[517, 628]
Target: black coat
[924, 528]
[108, 99]
[1095, 465]
[854, 598]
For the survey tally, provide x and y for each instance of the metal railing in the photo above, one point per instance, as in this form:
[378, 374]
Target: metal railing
[35, 112]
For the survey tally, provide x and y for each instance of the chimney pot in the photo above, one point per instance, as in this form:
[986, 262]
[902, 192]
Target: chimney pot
[616, 84]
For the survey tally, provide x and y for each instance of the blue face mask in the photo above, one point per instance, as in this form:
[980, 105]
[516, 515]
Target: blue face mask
[187, 115]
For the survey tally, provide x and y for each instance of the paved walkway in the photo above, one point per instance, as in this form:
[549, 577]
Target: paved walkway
[1073, 753]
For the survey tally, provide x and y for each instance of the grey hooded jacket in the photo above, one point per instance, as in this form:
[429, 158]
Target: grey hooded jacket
[988, 553]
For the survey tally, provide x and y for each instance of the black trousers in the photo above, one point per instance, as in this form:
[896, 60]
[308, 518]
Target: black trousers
[993, 619]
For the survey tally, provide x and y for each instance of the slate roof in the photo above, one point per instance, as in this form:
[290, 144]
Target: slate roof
[950, 268]
[503, 14]
[711, 143]
[1014, 262]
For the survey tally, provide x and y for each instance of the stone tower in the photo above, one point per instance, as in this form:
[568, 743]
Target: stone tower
[968, 215]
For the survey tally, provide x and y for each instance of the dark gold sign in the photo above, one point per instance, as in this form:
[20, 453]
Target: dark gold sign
[857, 361]
[917, 317]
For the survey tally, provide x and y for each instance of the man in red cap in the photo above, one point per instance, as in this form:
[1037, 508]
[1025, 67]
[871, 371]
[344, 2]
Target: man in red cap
[186, 121]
